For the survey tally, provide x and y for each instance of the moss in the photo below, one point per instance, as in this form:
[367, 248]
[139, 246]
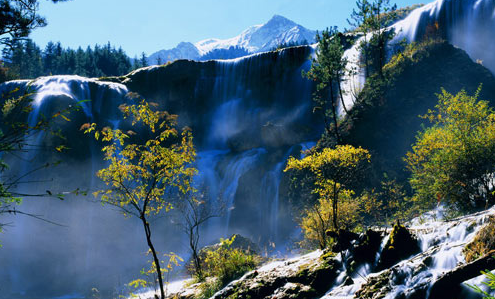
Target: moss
[482, 244]
[112, 79]
[376, 287]
[400, 245]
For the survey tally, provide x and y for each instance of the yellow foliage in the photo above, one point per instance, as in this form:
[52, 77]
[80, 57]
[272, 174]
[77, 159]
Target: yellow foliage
[334, 169]
[453, 161]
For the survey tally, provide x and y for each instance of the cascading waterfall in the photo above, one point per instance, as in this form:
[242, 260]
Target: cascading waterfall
[49, 94]
[467, 24]
[253, 115]
[441, 241]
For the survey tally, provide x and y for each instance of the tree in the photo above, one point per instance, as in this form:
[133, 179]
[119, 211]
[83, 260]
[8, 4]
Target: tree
[195, 210]
[371, 19]
[142, 177]
[143, 61]
[15, 134]
[327, 70]
[453, 161]
[335, 171]
[19, 18]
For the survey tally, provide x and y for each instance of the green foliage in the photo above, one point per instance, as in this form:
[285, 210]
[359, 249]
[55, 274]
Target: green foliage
[335, 172]
[490, 283]
[230, 53]
[370, 18]
[149, 275]
[26, 60]
[386, 204]
[19, 18]
[226, 263]
[453, 161]
[142, 177]
[327, 70]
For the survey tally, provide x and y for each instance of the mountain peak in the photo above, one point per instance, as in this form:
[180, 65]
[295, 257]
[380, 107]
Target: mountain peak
[278, 30]
[280, 20]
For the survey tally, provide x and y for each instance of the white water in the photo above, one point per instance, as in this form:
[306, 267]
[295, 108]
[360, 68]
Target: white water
[469, 25]
[443, 241]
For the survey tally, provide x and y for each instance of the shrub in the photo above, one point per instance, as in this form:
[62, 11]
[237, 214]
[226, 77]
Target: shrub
[226, 263]
[454, 160]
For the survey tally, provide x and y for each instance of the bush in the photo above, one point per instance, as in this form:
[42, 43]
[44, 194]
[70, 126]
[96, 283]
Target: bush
[454, 160]
[226, 263]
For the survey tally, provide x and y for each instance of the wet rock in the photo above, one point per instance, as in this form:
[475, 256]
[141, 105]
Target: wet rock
[377, 287]
[401, 245]
[309, 276]
[348, 281]
[343, 239]
[367, 247]
[293, 290]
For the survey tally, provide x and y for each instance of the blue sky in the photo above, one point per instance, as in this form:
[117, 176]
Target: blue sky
[151, 25]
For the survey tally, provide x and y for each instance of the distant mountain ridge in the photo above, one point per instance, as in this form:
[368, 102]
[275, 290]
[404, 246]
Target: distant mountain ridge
[258, 38]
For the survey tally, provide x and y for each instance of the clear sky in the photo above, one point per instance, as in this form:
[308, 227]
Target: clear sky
[151, 25]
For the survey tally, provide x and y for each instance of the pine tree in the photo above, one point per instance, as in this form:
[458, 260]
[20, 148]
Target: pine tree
[143, 60]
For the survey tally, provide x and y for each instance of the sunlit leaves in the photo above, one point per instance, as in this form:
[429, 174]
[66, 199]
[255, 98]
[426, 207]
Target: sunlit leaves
[140, 175]
[145, 171]
[335, 170]
[454, 160]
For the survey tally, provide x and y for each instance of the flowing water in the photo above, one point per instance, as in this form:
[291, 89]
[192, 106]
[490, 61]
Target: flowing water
[441, 241]
[93, 246]
[248, 115]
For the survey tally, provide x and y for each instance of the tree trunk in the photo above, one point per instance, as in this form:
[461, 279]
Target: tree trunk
[341, 96]
[334, 114]
[196, 260]
[334, 204]
[147, 230]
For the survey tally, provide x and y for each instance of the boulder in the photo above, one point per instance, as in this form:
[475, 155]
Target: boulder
[400, 245]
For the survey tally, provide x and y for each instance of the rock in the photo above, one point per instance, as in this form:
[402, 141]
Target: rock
[293, 290]
[376, 287]
[343, 239]
[400, 245]
[305, 277]
[367, 247]
[348, 281]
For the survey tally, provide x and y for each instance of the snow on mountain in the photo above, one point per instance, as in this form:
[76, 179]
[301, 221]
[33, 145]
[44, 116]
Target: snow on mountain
[259, 38]
[183, 50]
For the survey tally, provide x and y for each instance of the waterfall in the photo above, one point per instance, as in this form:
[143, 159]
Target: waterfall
[49, 95]
[441, 241]
[467, 24]
[246, 114]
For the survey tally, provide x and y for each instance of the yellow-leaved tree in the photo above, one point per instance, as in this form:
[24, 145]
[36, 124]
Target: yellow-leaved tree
[142, 175]
[453, 161]
[335, 171]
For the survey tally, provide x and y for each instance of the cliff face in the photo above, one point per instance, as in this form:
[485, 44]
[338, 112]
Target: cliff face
[388, 119]
[261, 98]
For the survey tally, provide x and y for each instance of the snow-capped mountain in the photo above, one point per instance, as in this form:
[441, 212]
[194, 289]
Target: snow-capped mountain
[183, 50]
[278, 30]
